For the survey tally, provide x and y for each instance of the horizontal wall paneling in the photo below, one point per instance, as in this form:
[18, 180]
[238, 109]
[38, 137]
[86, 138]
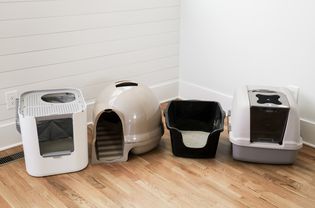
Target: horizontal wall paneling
[86, 44]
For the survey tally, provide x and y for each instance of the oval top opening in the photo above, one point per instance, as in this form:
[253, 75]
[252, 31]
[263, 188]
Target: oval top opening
[60, 97]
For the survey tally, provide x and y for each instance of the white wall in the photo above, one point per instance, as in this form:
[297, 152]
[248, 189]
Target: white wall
[85, 44]
[227, 43]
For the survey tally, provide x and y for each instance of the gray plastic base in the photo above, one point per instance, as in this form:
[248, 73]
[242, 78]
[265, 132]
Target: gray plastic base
[263, 155]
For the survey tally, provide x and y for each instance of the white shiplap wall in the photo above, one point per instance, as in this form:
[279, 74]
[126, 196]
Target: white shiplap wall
[85, 44]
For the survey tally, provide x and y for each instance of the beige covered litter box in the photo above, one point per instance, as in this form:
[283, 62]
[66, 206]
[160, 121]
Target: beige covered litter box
[127, 117]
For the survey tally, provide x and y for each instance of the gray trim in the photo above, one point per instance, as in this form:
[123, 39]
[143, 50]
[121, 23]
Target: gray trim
[263, 155]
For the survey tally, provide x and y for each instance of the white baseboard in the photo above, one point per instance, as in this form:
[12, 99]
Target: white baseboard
[10, 137]
[188, 90]
[308, 132]
[166, 91]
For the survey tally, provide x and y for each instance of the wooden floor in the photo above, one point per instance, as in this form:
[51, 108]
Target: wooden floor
[159, 179]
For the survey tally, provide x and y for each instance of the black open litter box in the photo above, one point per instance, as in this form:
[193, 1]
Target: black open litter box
[195, 127]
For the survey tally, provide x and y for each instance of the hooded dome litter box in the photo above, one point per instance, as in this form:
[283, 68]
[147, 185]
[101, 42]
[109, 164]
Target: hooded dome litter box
[127, 117]
[264, 125]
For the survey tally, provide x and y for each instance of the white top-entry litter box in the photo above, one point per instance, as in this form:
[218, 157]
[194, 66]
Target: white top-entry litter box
[53, 129]
[265, 125]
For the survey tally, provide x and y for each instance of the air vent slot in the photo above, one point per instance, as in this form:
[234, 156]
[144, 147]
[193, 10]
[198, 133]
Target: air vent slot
[60, 97]
[10, 158]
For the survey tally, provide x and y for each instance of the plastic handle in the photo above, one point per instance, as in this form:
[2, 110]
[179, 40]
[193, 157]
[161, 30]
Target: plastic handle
[126, 84]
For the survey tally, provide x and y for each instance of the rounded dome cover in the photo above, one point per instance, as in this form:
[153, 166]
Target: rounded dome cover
[138, 110]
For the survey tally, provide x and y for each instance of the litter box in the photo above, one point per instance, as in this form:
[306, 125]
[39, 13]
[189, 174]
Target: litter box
[127, 118]
[195, 127]
[53, 129]
[265, 125]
